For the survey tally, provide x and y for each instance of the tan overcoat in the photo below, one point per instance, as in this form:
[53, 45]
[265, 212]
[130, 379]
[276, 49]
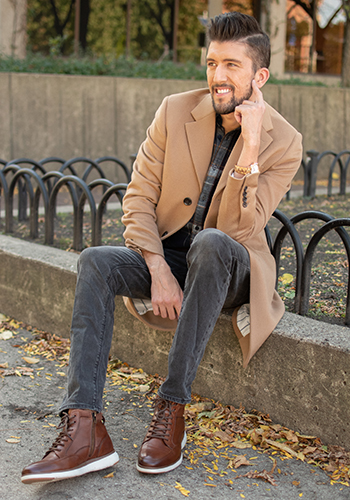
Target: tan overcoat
[168, 176]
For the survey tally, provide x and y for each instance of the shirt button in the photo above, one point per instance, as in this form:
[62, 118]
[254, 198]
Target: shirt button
[196, 228]
[187, 201]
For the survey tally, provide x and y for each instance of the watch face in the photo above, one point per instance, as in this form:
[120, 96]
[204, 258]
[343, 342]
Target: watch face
[254, 168]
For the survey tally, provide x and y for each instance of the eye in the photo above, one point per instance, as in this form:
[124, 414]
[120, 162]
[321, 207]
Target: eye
[232, 65]
[211, 64]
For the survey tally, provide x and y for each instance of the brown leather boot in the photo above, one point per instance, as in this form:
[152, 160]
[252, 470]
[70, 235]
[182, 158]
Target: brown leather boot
[82, 446]
[166, 436]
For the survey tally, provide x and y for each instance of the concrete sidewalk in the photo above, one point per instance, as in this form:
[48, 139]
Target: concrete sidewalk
[25, 401]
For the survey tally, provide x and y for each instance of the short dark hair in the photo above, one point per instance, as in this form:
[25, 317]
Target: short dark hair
[234, 26]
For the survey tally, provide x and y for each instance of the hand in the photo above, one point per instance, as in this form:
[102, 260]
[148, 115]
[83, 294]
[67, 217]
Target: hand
[249, 115]
[166, 293]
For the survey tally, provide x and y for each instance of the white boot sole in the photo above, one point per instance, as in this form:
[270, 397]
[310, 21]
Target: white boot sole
[164, 469]
[101, 463]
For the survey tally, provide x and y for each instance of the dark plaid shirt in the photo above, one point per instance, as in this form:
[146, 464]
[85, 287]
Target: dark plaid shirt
[222, 148]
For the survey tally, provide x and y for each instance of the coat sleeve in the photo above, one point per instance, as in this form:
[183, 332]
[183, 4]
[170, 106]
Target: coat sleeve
[142, 195]
[248, 203]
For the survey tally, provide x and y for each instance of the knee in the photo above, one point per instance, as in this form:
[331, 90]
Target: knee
[89, 257]
[210, 240]
[208, 244]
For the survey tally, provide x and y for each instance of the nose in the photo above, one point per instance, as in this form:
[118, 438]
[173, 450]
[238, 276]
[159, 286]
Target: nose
[220, 74]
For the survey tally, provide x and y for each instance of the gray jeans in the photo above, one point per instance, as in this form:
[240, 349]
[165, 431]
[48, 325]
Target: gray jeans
[214, 274]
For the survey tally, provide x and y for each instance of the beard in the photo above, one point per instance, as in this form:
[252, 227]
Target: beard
[229, 107]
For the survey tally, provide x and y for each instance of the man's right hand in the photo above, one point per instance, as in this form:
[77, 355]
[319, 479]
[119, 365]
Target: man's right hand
[166, 293]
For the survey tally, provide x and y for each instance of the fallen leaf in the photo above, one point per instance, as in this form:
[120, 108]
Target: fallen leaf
[286, 278]
[7, 334]
[198, 407]
[109, 475]
[223, 436]
[240, 445]
[31, 361]
[282, 446]
[4, 365]
[12, 440]
[3, 318]
[182, 489]
[143, 388]
[264, 474]
[238, 461]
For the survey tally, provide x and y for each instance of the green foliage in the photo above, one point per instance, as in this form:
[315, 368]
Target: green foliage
[43, 34]
[151, 28]
[36, 63]
[112, 66]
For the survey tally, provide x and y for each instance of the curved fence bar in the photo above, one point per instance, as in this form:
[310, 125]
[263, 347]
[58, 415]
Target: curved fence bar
[337, 159]
[288, 227]
[82, 159]
[22, 192]
[118, 162]
[3, 187]
[78, 211]
[310, 171]
[114, 189]
[96, 183]
[52, 159]
[26, 173]
[329, 226]
[46, 178]
[3, 162]
[50, 219]
[35, 165]
[22, 195]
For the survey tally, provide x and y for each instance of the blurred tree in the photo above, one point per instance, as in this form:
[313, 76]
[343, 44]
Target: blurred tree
[103, 27]
[50, 25]
[346, 46]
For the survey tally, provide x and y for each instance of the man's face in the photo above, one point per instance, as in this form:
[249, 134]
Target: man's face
[229, 75]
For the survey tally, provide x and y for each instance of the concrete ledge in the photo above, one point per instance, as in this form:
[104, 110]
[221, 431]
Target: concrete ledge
[300, 376]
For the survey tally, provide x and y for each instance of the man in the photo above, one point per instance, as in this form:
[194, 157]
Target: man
[212, 170]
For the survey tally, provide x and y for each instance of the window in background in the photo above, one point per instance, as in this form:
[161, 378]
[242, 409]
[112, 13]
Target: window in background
[315, 37]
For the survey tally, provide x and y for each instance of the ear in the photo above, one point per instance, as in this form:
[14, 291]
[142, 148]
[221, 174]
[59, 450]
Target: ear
[261, 77]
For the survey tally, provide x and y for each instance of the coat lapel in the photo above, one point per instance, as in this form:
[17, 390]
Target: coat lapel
[200, 136]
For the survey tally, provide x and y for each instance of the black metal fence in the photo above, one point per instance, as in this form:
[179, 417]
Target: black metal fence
[35, 184]
[312, 164]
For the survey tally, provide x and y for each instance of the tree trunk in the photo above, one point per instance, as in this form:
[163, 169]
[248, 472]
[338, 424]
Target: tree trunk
[84, 21]
[346, 54]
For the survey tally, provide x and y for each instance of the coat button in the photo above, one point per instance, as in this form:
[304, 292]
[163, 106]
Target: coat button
[187, 201]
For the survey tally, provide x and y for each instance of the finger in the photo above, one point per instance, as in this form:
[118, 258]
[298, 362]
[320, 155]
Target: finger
[172, 313]
[163, 312]
[178, 306]
[257, 95]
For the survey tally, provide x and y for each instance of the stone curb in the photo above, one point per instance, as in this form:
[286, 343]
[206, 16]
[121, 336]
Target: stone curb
[300, 376]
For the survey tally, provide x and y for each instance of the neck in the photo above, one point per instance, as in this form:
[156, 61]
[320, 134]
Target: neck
[229, 122]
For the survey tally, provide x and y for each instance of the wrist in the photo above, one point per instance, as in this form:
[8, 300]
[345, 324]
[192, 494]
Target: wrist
[245, 170]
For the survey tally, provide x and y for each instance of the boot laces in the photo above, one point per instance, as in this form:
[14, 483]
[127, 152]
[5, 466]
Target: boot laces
[162, 420]
[63, 437]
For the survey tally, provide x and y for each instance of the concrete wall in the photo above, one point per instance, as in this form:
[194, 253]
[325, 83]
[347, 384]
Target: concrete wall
[67, 116]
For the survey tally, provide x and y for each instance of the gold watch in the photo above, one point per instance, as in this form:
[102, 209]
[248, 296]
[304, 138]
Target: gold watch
[252, 169]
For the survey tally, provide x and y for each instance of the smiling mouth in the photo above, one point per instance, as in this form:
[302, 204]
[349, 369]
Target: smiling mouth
[221, 91]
